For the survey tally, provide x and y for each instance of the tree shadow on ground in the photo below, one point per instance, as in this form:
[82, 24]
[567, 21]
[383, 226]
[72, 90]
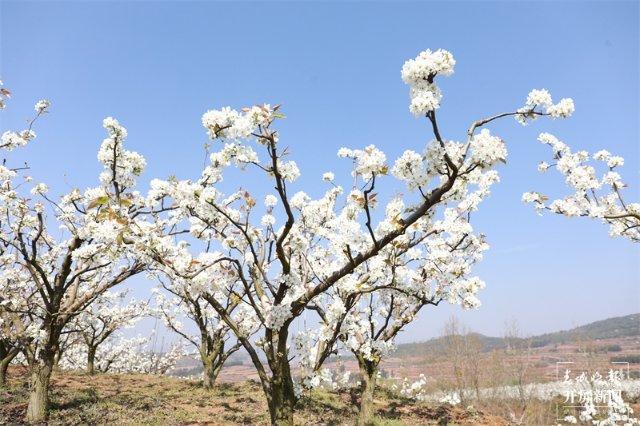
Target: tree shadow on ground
[84, 397]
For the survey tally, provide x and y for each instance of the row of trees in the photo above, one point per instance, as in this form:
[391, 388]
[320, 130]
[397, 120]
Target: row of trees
[364, 271]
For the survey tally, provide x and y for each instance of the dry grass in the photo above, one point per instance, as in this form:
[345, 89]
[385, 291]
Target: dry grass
[151, 400]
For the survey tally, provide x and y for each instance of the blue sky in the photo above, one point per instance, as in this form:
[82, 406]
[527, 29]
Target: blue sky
[335, 67]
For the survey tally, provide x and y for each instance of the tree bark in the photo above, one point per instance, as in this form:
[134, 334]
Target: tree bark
[369, 372]
[282, 398]
[4, 366]
[91, 358]
[210, 373]
[38, 408]
[7, 357]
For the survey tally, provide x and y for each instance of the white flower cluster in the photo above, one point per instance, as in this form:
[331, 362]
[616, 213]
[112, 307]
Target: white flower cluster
[595, 196]
[539, 97]
[410, 168]
[367, 162]
[4, 95]
[289, 170]
[276, 315]
[419, 73]
[120, 166]
[414, 390]
[563, 109]
[427, 64]
[11, 140]
[241, 155]
[425, 97]
[40, 189]
[451, 398]
[227, 123]
[487, 149]
[270, 201]
[328, 177]
[42, 106]
[542, 98]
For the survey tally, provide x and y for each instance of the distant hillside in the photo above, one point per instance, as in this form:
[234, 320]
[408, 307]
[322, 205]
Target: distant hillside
[606, 329]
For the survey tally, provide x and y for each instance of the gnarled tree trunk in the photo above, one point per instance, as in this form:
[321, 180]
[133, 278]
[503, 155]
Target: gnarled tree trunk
[211, 355]
[282, 398]
[211, 371]
[369, 372]
[38, 408]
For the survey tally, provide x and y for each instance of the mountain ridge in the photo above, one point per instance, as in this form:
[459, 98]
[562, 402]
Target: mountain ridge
[609, 328]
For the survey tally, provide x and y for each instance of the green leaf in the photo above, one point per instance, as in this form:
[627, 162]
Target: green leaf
[100, 201]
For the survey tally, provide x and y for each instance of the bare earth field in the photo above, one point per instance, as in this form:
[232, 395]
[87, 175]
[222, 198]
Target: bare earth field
[160, 400]
[541, 363]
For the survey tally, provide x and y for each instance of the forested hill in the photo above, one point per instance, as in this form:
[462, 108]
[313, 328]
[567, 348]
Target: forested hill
[626, 326]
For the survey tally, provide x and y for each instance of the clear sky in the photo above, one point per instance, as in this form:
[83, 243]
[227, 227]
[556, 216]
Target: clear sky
[335, 67]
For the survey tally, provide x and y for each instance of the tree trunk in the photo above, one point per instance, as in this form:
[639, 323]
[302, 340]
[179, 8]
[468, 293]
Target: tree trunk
[91, 358]
[38, 409]
[7, 357]
[282, 398]
[210, 373]
[4, 366]
[369, 372]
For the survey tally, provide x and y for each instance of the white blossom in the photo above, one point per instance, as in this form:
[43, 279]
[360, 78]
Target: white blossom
[328, 177]
[562, 109]
[40, 189]
[270, 201]
[42, 106]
